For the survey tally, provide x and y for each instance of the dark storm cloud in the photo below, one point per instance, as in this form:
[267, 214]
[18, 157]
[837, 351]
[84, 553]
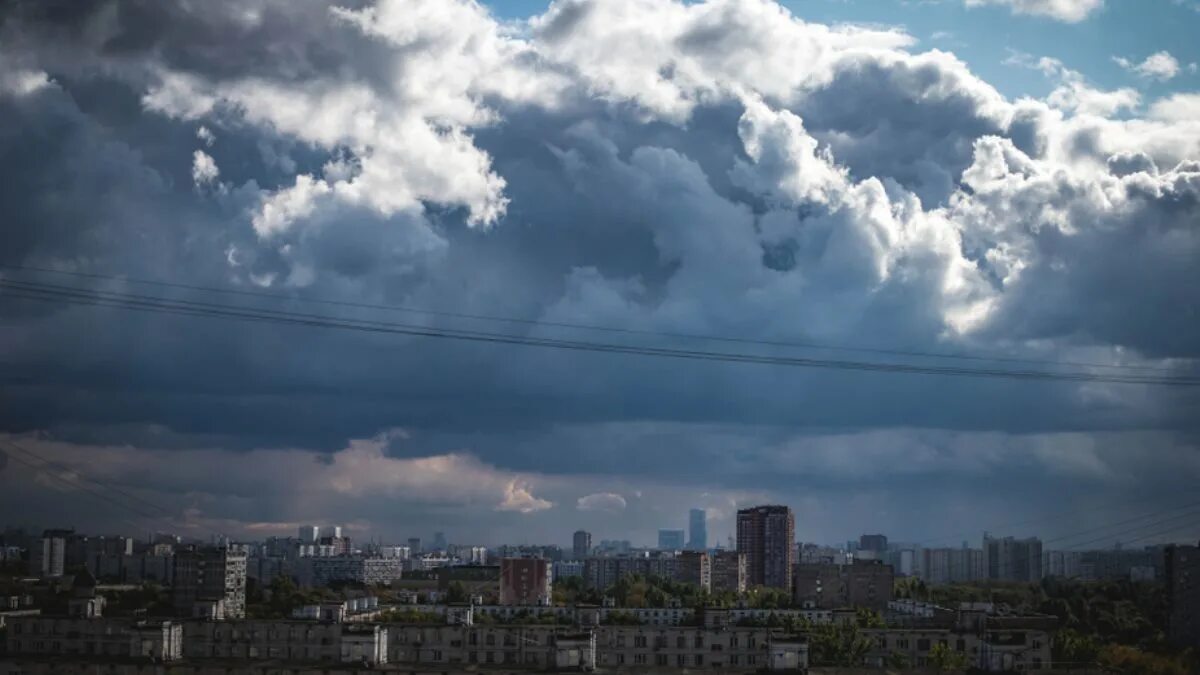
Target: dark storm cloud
[415, 154]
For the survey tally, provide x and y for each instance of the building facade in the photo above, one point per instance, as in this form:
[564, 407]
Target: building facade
[1011, 559]
[767, 535]
[728, 571]
[694, 567]
[48, 555]
[866, 583]
[1182, 574]
[210, 576]
[323, 571]
[581, 544]
[525, 581]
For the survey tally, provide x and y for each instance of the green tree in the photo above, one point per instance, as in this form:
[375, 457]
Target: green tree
[943, 658]
[839, 645]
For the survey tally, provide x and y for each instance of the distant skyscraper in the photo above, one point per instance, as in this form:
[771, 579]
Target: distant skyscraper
[47, 557]
[309, 534]
[414, 545]
[698, 530]
[670, 540]
[767, 535]
[582, 545]
[873, 542]
[439, 541]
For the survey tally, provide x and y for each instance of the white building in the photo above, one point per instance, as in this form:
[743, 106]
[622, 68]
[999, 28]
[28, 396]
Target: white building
[318, 571]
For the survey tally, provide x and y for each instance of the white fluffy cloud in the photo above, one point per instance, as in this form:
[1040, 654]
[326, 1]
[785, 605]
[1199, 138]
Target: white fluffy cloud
[1063, 10]
[601, 501]
[1159, 66]
[204, 168]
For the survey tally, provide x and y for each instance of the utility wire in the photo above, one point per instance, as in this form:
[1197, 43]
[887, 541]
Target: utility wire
[579, 326]
[69, 295]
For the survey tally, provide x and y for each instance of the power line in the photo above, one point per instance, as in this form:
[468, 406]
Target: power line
[154, 304]
[581, 326]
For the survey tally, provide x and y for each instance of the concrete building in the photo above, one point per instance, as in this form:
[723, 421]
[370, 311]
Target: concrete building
[525, 581]
[1064, 564]
[1182, 574]
[1010, 559]
[581, 544]
[210, 577]
[729, 571]
[697, 530]
[877, 543]
[694, 567]
[94, 638]
[48, 555]
[309, 534]
[767, 535]
[866, 583]
[670, 540]
[601, 573]
[564, 569]
[323, 571]
[950, 565]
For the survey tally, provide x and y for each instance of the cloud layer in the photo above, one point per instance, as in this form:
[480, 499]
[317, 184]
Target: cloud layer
[643, 165]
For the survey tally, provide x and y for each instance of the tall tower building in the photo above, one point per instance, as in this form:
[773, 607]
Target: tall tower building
[697, 530]
[767, 536]
[582, 544]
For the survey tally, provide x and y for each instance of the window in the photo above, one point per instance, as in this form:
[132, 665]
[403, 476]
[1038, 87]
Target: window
[621, 640]
[490, 640]
[883, 643]
[751, 660]
[620, 659]
[473, 639]
[733, 659]
[473, 657]
[639, 641]
[699, 642]
[639, 659]
[902, 644]
[699, 659]
[733, 641]
[923, 644]
[437, 655]
[680, 660]
[680, 642]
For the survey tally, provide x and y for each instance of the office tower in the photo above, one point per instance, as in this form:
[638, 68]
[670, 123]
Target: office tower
[582, 545]
[1182, 573]
[414, 545]
[308, 534]
[439, 541]
[698, 530]
[873, 542]
[729, 571]
[670, 540]
[1010, 559]
[767, 535]
[525, 581]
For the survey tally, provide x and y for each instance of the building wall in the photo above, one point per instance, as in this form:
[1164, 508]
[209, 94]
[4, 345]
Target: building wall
[1182, 573]
[863, 584]
[694, 567]
[92, 638]
[210, 575]
[525, 581]
[767, 535]
[729, 571]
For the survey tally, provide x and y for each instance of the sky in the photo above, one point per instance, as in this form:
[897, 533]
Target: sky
[895, 182]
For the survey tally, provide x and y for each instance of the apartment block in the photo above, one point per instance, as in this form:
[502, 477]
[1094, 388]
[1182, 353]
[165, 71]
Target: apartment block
[767, 535]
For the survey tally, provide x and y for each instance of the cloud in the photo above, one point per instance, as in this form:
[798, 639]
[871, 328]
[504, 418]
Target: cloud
[645, 166]
[204, 168]
[1071, 11]
[1159, 66]
[610, 502]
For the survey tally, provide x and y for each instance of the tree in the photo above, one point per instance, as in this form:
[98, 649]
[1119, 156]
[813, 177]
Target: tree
[943, 658]
[839, 645]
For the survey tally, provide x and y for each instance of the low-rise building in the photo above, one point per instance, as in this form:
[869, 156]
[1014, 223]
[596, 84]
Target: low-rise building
[866, 583]
[525, 581]
[94, 638]
[323, 571]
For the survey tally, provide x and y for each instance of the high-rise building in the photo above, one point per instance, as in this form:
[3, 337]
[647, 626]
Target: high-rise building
[525, 581]
[873, 542]
[950, 565]
[767, 535]
[694, 567]
[48, 558]
[670, 540]
[414, 545]
[582, 545]
[439, 541]
[866, 583]
[308, 534]
[1182, 574]
[729, 571]
[1010, 559]
[210, 575]
[697, 530]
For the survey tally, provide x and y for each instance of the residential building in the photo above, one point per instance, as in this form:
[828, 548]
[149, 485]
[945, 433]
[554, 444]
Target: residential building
[694, 567]
[950, 565]
[564, 569]
[670, 540]
[1182, 574]
[603, 572]
[767, 535]
[698, 530]
[525, 581]
[1065, 564]
[48, 555]
[1011, 559]
[94, 638]
[210, 577]
[728, 571]
[866, 583]
[582, 544]
[367, 570]
[877, 543]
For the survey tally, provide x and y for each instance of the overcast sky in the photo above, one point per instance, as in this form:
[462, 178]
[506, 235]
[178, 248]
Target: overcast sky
[1000, 178]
